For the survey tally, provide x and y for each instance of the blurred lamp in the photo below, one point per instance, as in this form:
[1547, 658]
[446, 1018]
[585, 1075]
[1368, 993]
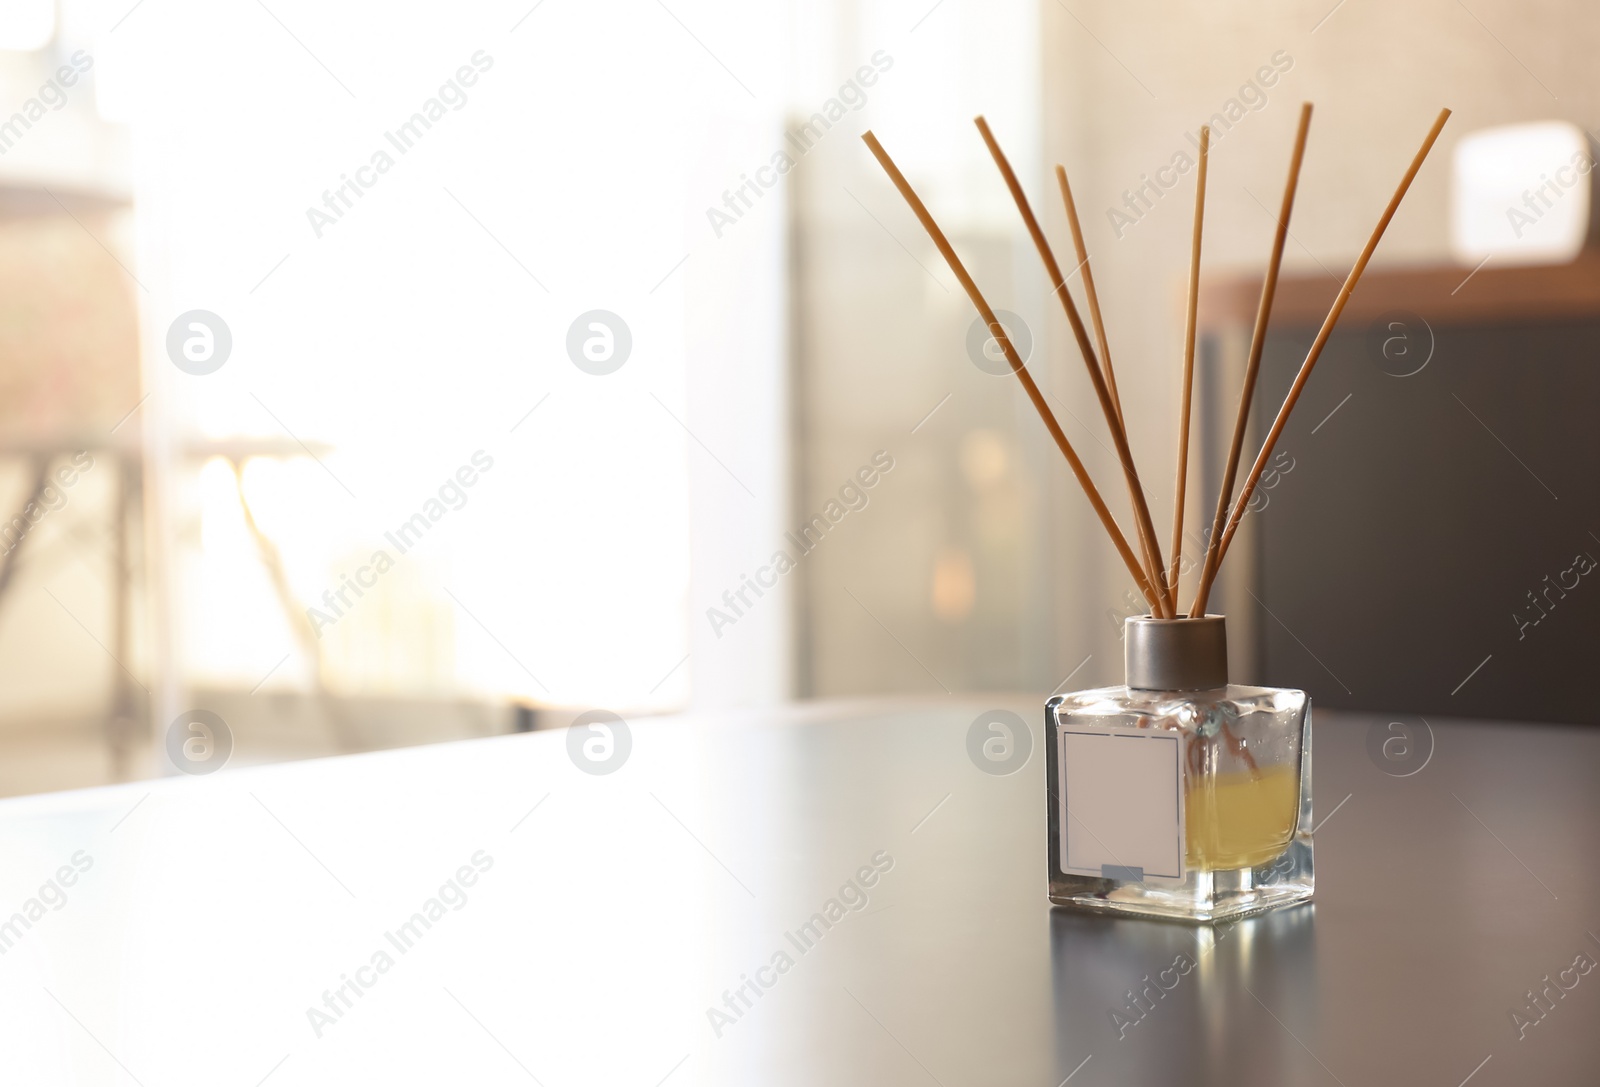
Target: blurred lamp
[1523, 194]
[27, 24]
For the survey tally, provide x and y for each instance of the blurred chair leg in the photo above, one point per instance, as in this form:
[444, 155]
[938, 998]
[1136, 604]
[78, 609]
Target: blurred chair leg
[8, 565]
[305, 633]
[123, 727]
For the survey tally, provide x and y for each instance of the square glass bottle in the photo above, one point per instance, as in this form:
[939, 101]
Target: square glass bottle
[1179, 796]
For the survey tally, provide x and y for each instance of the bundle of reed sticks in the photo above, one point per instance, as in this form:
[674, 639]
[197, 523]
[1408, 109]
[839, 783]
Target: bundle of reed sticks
[1158, 581]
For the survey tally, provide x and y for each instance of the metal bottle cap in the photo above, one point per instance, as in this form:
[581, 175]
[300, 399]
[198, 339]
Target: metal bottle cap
[1176, 654]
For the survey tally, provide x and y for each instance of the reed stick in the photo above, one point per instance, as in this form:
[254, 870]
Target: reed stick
[1141, 510]
[998, 331]
[1090, 295]
[1152, 546]
[1323, 334]
[1258, 340]
[1188, 366]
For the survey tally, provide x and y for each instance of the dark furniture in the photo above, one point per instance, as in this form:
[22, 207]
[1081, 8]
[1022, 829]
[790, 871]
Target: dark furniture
[1432, 549]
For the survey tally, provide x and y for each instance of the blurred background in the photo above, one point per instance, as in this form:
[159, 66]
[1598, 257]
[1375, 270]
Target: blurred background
[375, 375]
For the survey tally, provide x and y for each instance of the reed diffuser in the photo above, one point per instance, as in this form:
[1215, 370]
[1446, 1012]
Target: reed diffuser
[1178, 794]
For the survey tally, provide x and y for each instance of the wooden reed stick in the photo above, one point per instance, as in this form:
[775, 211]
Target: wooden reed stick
[1258, 339]
[998, 330]
[1090, 294]
[1188, 365]
[1322, 335]
[1147, 532]
[1147, 536]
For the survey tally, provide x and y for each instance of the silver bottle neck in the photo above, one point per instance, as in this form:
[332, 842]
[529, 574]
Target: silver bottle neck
[1176, 654]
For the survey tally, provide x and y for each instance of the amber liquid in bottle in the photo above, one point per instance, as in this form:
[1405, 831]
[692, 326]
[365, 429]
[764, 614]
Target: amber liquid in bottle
[1240, 819]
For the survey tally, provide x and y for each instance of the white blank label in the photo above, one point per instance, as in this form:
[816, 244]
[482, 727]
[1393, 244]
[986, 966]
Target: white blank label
[1122, 804]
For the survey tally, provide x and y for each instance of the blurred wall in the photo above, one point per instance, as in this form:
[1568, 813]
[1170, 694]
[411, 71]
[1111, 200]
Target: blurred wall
[978, 563]
[69, 341]
[405, 220]
[1121, 92]
[917, 526]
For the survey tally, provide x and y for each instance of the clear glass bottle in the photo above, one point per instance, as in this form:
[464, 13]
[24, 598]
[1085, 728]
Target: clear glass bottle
[1179, 796]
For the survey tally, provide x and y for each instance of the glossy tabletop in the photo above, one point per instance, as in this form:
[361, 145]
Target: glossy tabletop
[830, 894]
